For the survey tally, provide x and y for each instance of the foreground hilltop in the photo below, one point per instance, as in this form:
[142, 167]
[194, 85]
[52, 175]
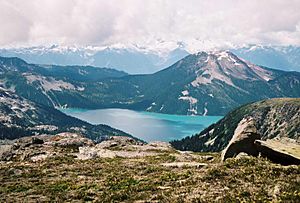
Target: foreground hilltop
[273, 119]
[68, 167]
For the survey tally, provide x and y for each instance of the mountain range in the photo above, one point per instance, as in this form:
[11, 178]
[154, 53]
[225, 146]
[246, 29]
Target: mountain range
[141, 60]
[206, 83]
[277, 57]
[131, 59]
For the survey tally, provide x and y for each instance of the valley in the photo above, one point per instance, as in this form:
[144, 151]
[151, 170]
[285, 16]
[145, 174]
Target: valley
[206, 83]
[210, 126]
[147, 126]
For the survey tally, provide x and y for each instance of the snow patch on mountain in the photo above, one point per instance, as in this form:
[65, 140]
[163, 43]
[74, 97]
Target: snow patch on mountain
[192, 102]
[211, 141]
[162, 107]
[205, 110]
[185, 92]
[221, 55]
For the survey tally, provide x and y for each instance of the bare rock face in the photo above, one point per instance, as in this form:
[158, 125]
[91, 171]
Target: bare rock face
[246, 140]
[243, 140]
[285, 153]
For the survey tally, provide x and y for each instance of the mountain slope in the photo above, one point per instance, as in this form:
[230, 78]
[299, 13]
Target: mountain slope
[51, 85]
[212, 84]
[273, 118]
[20, 117]
[207, 83]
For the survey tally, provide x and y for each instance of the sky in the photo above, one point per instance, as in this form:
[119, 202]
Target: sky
[156, 24]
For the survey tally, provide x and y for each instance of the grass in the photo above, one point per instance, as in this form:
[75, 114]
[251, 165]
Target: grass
[145, 179]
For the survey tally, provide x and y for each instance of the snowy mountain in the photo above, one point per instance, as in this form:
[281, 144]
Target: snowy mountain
[139, 60]
[129, 59]
[278, 57]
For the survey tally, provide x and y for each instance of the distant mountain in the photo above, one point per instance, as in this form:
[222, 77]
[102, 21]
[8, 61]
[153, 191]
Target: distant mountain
[136, 60]
[20, 117]
[206, 83]
[278, 57]
[131, 60]
[212, 83]
[274, 118]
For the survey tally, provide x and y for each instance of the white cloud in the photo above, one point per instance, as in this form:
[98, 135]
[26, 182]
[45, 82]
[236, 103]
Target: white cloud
[200, 24]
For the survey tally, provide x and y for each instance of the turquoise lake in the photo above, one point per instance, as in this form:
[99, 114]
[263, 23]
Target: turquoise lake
[145, 125]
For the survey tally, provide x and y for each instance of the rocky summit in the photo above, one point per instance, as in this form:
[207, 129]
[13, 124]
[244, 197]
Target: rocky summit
[68, 167]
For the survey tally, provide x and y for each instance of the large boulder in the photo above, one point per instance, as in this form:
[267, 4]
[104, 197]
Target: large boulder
[243, 140]
[279, 151]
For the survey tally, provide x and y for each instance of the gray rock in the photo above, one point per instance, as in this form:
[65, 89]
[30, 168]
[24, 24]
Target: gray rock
[243, 140]
[125, 147]
[279, 152]
[118, 141]
[27, 142]
[69, 140]
[5, 152]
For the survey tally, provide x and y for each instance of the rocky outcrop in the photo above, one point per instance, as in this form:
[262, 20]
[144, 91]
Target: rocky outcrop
[70, 140]
[278, 152]
[37, 148]
[120, 141]
[273, 118]
[60, 146]
[124, 147]
[243, 140]
[246, 140]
